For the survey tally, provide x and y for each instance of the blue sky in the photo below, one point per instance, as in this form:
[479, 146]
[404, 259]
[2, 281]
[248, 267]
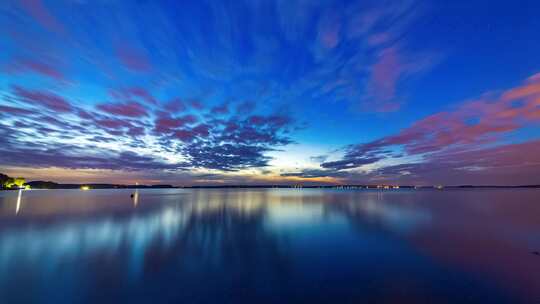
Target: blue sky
[207, 92]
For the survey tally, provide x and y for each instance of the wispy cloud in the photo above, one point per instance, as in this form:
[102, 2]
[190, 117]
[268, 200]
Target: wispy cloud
[37, 66]
[43, 99]
[221, 86]
[129, 109]
[42, 14]
[468, 138]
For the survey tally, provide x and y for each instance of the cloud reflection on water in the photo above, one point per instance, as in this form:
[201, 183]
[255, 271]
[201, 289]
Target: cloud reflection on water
[266, 242]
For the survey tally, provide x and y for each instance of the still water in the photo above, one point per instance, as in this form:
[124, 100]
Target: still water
[270, 246]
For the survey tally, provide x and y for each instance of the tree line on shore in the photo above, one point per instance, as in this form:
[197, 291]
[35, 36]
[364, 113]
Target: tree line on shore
[14, 183]
[7, 182]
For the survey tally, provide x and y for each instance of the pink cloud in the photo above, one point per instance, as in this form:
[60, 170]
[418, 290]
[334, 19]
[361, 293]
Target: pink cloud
[134, 92]
[42, 15]
[129, 109]
[527, 91]
[133, 59]
[196, 104]
[136, 131]
[167, 124]
[111, 123]
[446, 129]
[522, 154]
[329, 33]
[142, 94]
[184, 135]
[511, 164]
[385, 74]
[472, 127]
[43, 98]
[85, 114]
[221, 109]
[13, 110]
[380, 29]
[392, 66]
[202, 130]
[38, 67]
[175, 105]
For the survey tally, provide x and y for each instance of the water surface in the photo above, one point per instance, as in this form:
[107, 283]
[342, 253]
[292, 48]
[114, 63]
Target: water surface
[270, 246]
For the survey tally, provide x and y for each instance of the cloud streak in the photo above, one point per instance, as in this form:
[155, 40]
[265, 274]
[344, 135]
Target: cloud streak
[222, 87]
[464, 141]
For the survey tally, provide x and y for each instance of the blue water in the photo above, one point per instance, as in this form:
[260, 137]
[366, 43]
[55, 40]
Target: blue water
[270, 246]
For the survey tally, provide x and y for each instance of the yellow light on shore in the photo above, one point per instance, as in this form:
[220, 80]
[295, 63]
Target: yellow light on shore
[85, 188]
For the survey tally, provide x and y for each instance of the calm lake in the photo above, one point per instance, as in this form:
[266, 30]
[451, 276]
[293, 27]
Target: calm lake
[270, 246]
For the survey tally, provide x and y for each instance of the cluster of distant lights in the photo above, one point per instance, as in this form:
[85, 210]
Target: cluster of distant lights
[27, 187]
[384, 187]
[86, 188]
[380, 187]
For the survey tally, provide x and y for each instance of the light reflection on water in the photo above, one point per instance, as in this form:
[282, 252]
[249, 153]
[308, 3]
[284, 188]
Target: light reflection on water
[269, 244]
[18, 207]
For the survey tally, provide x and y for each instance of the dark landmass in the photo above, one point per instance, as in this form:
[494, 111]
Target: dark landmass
[53, 185]
[8, 183]
[11, 183]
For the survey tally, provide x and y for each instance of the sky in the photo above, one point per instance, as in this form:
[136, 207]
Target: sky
[271, 92]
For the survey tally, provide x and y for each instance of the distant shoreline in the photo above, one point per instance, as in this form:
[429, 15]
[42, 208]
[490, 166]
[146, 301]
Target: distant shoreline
[53, 185]
[351, 187]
